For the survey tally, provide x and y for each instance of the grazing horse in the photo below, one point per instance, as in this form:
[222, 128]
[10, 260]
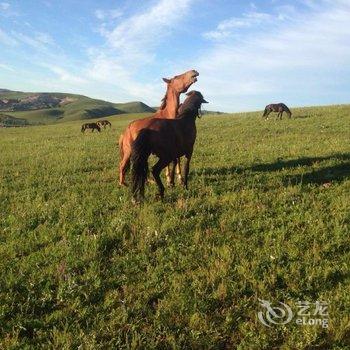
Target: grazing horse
[104, 123]
[168, 110]
[168, 139]
[278, 107]
[91, 126]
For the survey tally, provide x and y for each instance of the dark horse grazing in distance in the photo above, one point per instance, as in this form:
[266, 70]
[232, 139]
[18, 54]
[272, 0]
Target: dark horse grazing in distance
[104, 123]
[278, 107]
[91, 126]
[168, 139]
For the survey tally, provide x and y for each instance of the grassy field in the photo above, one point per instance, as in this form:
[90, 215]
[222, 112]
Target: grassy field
[266, 216]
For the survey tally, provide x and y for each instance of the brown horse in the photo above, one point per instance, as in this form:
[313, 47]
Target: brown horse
[91, 126]
[104, 123]
[278, 107]
[168, 110]
[168, 139]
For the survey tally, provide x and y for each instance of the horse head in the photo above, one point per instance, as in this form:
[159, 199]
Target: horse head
[192, 103]
[181, 83]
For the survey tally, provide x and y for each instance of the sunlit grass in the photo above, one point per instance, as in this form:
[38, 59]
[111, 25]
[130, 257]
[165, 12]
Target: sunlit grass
[266, 216]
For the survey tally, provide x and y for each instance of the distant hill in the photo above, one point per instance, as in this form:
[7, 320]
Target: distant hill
[204, 111]
[7, 120]
[135, 107]
[60, 107]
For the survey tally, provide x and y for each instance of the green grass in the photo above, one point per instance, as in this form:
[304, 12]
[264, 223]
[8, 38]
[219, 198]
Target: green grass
[266, 216]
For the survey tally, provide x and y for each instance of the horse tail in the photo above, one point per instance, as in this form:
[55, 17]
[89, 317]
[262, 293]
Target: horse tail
[82, 128]
[141, 150]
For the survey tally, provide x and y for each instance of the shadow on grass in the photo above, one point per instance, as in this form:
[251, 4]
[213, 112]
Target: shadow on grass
[337, 172]
[299, 162]
[325, 175]
[306, 116]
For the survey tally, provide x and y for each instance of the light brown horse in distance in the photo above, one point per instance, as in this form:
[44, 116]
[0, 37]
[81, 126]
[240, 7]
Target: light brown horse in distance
[168, 139]
[104, 123]
[168, 110]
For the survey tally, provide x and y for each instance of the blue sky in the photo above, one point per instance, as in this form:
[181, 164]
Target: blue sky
[248, 54]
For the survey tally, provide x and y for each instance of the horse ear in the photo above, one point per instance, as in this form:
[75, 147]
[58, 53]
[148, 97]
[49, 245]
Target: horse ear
[166, 80]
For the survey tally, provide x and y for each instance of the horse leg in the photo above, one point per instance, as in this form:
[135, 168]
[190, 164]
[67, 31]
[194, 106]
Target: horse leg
[172, 173]
[123, 168]
[281, 115]
[168, 175]
[187, 169]
[158, 167]
[178, 171]
[267, 115]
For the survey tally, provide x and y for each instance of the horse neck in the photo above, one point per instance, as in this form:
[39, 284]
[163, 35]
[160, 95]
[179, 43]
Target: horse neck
[189, 119]
[172, 104]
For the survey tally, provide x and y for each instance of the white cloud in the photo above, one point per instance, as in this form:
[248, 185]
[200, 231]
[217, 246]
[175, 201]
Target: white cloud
[38, 40]
[114, 68]
[107, 69]
[7, 11]
[131, 45]
[65, 76]
[7, 39]
[228, 27]
[44, 38]
[301, 58]
[5, 66]
[144, 31]
[108, 14]
[4, 6]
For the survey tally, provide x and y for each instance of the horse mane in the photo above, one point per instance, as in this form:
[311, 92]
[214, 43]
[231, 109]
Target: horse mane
[164, 99]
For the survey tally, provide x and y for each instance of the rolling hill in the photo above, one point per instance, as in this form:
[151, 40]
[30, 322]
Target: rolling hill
[46, 108]
[7, 120]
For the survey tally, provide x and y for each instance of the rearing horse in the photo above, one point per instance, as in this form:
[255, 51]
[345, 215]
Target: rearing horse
[277, 107]
[168, 110]
[168, 139]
